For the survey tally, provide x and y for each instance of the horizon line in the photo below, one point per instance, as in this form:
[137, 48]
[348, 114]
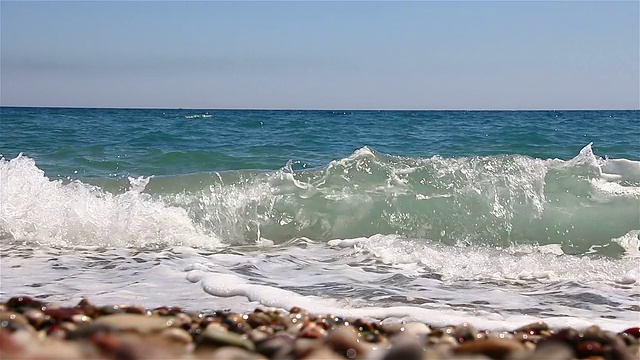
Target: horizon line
[309, 109]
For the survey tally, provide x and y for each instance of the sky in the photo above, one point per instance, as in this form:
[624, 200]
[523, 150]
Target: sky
[321, 55]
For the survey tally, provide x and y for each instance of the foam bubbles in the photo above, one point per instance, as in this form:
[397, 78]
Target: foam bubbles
[55, 212]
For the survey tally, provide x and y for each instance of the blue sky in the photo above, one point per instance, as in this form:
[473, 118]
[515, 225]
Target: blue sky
[330, 55]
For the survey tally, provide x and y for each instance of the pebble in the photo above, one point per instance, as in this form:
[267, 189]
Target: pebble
[219, 339]
[493, 348]
[139, 323]
[30, 328]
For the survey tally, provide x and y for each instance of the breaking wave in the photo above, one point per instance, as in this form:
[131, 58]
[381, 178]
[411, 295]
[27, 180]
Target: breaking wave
[583, 205]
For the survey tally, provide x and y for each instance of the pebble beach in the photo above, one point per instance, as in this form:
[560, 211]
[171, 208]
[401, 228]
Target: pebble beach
[33, 329]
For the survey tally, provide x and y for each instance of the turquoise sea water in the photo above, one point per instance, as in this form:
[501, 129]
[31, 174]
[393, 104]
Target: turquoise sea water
[437, 215]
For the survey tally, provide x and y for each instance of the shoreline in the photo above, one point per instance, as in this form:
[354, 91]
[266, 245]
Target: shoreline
[31, 329]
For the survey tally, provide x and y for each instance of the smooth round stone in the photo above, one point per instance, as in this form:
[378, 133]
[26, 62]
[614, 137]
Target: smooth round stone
[63, 314]
[135, 309]
[281, 344]
[551, 350]
[141, 324]
[312, 330]
[110, 310]
[534, 328]
[302, 347]
[493, 348]
[233, 353]
[256, 319]
[405, 347]
[634, 331]
[219, 339]
[25, 302]
[417, 329]
[323, 353]
[589, 348]
[392, 328]
[177, 335]
[12, 321]
[465, 332]
[36, 317]
[257, 335]
[344, 341]
[81, 319]
[216, 327]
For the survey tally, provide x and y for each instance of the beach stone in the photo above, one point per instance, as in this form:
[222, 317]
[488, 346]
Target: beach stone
[302, 347]
[634, 331]
[391, 329]
[230, 353]
[220, 339]
[344, 341]
[280, 343]
[140, 323]
[177, 335]
[25, 302]
[465, 332]
[566, 335]
[324, 353]
[63, 314]
[312, 330]
[109, 310]
[236, 323]
[257, 319]
[621, 353]
[405, 347]
[216, 327]
[257, 335]
[416, 329]
[589, 348]
[54, 350]
[135, 309]
[553, 350]
[36, 317]
[534, 328]
[13, 321]
[634, 351]
[493, 348]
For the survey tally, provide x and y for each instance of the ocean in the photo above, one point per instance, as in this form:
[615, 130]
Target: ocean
[497, 218]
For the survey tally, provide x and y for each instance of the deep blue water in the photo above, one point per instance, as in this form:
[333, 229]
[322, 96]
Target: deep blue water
[119, 142]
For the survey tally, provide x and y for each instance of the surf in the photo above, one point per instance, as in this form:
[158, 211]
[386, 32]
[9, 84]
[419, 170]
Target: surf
[582, 204]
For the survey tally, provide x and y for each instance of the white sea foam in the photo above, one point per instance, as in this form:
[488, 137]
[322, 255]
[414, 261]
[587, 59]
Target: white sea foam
[35, 208]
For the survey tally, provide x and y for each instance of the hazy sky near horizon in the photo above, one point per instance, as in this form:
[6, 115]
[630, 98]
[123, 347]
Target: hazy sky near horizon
[336, 55]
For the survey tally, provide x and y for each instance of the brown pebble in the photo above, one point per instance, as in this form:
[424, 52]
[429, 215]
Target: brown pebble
[139, 323]
[589, 348]
[634, 331]
[553, 350]
[36, 317]
[256, 319]
[323, 353]
[25, 302]
[405, 347]
[465, 332]
[534, 328]
[491, 347]
[62, 314]
[177, 335]
[312, 330]
[218, 339]
[344, 341]
[13, 321]
[280, 344]
[231, 353]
